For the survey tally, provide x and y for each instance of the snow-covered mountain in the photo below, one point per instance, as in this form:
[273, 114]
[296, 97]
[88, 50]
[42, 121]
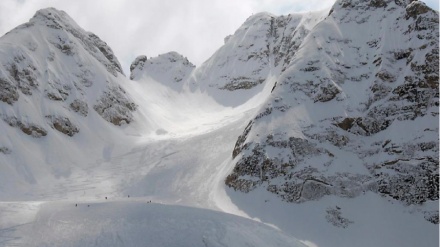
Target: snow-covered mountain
[323, 125]
[355, 111]
[261, 48]
[60, 91]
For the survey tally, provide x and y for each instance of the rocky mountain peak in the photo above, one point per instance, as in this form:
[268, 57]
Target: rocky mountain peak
[137, 64]
[52, 57]
[413, 7]
[171, 69]
[59, 20]
[417, 8]
[370, 4]
[262, 47]
[54, 18]
[363, 75]
[260, 17]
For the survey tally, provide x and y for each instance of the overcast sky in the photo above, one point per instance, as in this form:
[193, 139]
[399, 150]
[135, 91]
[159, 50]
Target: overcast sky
[194, 28]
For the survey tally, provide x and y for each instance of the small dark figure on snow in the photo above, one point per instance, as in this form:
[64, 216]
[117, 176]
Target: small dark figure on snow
[88, 205]
[128, 196]
[76, 205]
[106, 198]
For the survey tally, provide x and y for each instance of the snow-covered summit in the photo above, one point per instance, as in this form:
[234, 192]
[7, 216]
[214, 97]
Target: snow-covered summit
[171, 69]
[60, 86]
[260, 49]
[58, 19]
[53, 52]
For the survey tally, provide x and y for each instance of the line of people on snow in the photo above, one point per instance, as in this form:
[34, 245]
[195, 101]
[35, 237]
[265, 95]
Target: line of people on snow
[88, 205]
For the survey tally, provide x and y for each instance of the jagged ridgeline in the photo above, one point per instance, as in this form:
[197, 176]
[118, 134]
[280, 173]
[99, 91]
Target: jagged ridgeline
[354, 110]
[259, 50]
[71, 72]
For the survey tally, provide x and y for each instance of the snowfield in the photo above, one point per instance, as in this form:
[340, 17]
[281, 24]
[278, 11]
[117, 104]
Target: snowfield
[138, 223]
[175, 162]
[179, 162]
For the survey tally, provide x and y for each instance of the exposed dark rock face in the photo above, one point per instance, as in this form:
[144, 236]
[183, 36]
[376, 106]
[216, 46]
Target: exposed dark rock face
[19, 74]
[80, 107]
[63, 125]
[432, 217]
[8, 91]
[415, 9]
[23, 75]
[242, 83]
[57, 91]
[327, 93]
[112, 63]
[335, 218]
[31, 129]
[115, 107]
[241, 140]
[138, 63]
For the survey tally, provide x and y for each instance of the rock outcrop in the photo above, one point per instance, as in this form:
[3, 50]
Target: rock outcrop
[63, 125]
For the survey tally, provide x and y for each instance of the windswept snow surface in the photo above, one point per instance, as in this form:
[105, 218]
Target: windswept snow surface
[137, 223]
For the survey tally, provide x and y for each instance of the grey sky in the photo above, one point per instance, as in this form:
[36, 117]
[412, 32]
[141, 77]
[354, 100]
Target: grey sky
[194, 28]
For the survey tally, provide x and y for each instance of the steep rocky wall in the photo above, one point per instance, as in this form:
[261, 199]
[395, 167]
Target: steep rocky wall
[355, 111]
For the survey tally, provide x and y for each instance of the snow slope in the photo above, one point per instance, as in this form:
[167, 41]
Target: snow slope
[135, 223]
